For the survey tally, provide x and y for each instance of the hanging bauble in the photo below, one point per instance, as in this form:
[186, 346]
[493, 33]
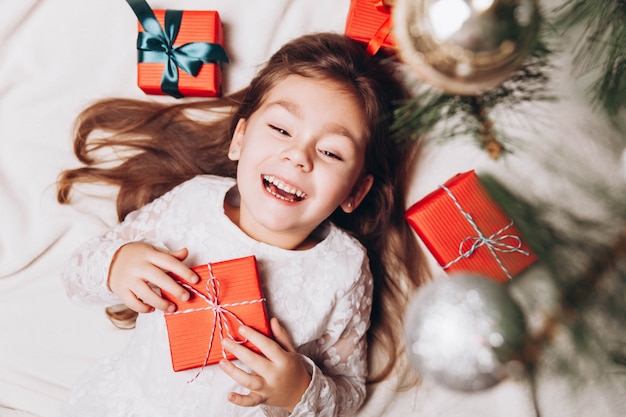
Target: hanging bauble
[464, 47]
[464, 332]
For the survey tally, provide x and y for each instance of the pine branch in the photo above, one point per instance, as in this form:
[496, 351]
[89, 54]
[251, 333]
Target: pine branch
[602, 47]
[588, 273]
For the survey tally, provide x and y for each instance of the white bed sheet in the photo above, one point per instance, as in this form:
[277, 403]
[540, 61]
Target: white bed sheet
[56, 56]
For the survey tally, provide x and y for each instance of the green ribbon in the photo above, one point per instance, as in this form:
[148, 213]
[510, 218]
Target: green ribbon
[157, 45]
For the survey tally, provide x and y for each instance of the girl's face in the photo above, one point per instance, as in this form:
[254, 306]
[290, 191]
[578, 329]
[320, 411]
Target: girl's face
[301, 155]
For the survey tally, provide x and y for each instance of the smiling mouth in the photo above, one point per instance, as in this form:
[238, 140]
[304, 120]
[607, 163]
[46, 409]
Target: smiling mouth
[282, 190]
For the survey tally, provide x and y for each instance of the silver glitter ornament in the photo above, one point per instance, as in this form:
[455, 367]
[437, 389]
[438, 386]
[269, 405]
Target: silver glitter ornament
[464, 47]
[462, 331]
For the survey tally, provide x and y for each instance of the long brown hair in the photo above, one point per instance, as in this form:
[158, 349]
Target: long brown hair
[166, 144]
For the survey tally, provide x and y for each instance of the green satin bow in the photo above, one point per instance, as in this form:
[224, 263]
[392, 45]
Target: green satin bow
[157, 45]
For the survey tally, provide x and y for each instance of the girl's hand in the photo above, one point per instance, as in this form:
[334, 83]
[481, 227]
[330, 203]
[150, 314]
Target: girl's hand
[136, 266]
[279, 379]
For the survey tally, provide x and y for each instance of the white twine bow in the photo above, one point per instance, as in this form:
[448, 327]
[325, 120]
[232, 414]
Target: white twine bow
[494, 243]
[221, 313]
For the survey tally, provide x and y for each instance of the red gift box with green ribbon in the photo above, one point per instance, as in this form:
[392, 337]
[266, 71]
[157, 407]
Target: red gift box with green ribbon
[370, 22]
[227, 296]
[466, 231]
[179, 53]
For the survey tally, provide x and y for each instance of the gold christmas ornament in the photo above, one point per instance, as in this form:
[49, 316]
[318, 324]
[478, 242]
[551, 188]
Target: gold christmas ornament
[464, 47]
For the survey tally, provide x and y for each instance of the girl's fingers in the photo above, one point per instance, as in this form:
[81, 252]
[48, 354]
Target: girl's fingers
[180, 254]
[278, 377]
[255, 361]
[260, 364]
[248, 400]
[281, 336]
[137, 268]
[243, 378]
[271, 349]
[131, 301]
[146, 295]
[165, 282]
[172, 262]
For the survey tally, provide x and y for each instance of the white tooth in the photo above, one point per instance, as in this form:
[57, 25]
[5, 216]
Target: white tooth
[283, 186]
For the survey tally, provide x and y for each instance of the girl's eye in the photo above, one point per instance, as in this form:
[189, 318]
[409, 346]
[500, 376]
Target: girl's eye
[280, 130]
[331, 155]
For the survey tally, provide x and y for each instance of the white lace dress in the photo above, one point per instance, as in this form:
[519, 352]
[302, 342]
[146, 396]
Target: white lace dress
[322, 296]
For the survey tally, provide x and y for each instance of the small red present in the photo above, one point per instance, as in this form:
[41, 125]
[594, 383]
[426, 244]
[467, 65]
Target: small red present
[369, 21]
[227, 296]
[466, 231]
[179, 52]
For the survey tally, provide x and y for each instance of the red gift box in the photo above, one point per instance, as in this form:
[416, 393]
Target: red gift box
[369, 21]
[200, 26]
[466, 231]
[227, 296]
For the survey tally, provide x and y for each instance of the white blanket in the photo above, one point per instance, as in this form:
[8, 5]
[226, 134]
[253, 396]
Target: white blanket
[56, 56]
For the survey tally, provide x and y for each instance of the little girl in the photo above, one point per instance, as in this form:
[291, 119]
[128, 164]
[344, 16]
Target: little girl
[304, 175]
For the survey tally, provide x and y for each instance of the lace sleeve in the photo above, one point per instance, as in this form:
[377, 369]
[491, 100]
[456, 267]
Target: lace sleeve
[86, 273]
[338, 361]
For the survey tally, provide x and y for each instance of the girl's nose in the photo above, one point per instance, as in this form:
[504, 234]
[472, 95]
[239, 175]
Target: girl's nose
[299, 155]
